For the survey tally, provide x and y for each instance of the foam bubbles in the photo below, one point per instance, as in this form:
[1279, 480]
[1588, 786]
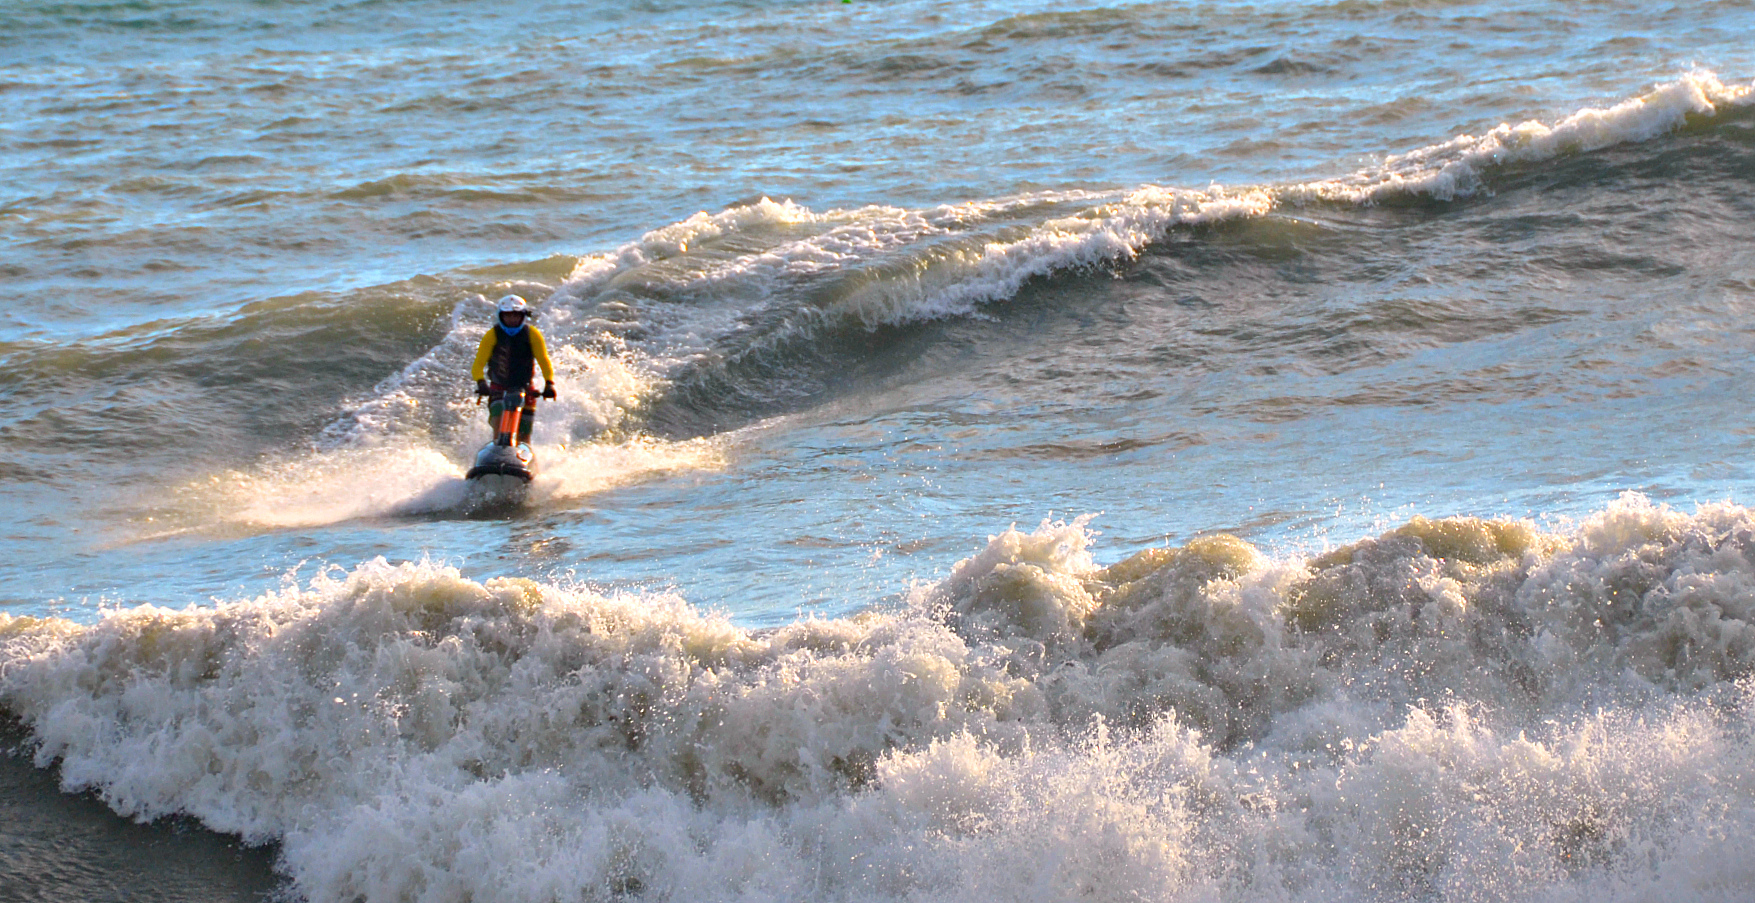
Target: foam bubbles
[1456, 709]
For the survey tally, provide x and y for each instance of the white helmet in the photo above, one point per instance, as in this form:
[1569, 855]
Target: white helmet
[512, 304]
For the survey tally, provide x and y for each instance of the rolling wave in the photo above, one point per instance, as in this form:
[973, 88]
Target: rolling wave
[729, 307]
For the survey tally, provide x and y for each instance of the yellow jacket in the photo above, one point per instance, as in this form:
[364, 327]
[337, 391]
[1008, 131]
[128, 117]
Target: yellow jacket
[511, 358]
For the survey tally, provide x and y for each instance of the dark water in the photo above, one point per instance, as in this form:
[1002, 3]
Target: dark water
[56, 846]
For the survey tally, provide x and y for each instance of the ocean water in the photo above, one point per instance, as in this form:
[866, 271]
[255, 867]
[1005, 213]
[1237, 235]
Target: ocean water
[1246, 451]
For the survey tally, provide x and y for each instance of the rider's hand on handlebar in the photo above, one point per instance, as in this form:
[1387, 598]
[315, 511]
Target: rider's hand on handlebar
[481, 387]
[548, 389]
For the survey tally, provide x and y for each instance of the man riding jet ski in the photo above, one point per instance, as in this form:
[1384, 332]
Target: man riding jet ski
[505, 364]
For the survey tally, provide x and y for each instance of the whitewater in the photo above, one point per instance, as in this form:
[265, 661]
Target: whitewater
[1279, 451]
[1457, 709]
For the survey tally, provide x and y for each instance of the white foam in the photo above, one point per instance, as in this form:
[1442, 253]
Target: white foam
[343, 484]
[588, 468]
[403, 449]
[1458, 710]
[1454, 168]
[397, 481]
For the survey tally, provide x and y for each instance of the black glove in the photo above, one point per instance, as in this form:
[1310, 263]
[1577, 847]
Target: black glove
[481, 387]
[548, 389]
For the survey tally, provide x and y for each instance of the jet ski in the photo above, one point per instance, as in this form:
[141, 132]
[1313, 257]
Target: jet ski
[506, 465]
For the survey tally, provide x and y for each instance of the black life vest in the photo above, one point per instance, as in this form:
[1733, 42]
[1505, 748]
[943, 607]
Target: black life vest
[511, 365]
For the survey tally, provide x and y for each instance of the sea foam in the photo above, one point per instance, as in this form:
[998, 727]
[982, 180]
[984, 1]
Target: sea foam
[1456, 709]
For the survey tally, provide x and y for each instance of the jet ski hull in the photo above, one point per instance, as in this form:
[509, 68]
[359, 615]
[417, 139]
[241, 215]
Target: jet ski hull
[497, 463]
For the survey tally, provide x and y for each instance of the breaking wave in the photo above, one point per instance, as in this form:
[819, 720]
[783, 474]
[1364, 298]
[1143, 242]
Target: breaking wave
[899, 266]
[1457, 709]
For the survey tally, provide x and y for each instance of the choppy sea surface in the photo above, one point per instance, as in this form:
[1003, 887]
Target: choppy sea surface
[1244, 451]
